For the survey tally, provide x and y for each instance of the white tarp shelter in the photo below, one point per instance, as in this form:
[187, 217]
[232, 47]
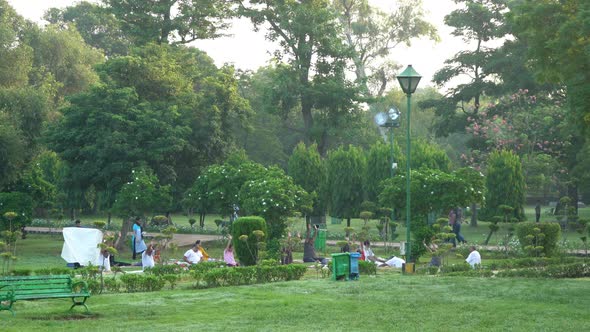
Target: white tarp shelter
[81, 245]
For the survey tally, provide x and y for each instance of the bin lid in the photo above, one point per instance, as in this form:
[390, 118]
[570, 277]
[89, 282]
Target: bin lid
[341, 254]
[355, 254]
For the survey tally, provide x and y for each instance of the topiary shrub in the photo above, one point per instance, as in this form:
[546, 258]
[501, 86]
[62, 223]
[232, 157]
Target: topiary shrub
[245, 239]
[548, 242]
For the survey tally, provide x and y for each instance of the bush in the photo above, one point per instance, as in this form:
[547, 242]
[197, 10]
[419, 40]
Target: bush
[575, 270]
[552, 233]
[244, 240]
[142, 282]
[21, 272]
[456, 268]
[161, 270]
[482, 273]
[112, 285]
[367, 268]
[252, 274]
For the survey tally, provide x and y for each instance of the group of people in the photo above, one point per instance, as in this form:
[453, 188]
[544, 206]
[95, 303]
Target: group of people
[367, 254]
[197, 254]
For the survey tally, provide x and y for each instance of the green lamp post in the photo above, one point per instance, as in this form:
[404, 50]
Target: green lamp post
[389, 120]
[408, 80]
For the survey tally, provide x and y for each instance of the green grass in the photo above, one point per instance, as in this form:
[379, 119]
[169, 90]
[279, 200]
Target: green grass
[386, 302]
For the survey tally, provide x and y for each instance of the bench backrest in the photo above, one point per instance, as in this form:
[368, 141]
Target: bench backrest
[38, 285]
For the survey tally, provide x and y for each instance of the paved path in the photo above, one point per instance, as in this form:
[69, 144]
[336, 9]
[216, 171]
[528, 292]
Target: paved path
[178, 239]
[189, 239]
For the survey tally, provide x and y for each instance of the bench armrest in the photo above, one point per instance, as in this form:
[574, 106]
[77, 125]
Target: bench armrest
[83, 288]
[6, 292]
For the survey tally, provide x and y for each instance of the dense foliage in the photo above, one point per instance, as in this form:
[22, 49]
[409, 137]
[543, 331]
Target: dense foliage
[248, 234]
[539, 239]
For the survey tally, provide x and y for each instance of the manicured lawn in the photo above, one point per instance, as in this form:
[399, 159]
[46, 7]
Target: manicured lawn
[386, 302]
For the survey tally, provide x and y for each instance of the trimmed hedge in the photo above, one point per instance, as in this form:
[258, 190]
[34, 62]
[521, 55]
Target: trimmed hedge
[575, 270]
[234, 276]
[247, 251]
[551, 230]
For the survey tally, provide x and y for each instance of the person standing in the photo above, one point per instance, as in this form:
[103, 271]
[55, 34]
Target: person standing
[538, 211]
[452, 221]
[309, 254]
[457, 226]
[137, 241]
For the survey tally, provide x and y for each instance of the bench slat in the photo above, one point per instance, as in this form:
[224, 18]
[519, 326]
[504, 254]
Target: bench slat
[49, 296]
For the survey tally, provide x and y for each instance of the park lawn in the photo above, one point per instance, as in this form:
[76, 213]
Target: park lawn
[386, 302]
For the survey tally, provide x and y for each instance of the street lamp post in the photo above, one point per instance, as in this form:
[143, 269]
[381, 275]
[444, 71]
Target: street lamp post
[390, 120]
[408, 80]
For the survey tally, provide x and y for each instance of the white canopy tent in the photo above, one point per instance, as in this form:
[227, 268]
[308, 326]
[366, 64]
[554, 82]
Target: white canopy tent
[81, 245]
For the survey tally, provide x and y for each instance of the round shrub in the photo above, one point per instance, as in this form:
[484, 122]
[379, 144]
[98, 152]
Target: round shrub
[551, 231]
[247, 232]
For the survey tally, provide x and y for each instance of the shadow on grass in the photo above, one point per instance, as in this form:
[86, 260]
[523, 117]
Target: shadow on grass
[68, 316]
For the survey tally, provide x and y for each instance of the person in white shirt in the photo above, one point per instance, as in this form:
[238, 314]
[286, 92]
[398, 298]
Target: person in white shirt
[394, 262]
[147, 257]
[474, 257]
[193, 255]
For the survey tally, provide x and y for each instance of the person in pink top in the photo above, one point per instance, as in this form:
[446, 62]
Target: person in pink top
[228, 254]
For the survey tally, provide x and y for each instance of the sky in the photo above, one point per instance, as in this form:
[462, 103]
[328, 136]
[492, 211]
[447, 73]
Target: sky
[246, 49]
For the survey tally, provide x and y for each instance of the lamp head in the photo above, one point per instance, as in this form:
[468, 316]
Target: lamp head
[408, 80]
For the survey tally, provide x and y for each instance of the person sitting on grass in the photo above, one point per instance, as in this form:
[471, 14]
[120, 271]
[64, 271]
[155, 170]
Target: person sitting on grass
[393, 261]
[309, 254]
[203, 252]
[369, 255]
[228, 254]
[147, 257]
[193, 255]
[474, 257]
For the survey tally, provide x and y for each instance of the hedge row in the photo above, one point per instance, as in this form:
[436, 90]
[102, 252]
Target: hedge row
[218, 277]
[575, 270]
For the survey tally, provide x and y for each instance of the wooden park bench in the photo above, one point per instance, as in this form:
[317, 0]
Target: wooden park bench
[15, 288]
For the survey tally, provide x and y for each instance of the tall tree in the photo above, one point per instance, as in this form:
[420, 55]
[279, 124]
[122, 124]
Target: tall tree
[309, 171]
[14, 51]
[379, 168]
[504, 185]
[170, 21]
[372, 34]
[345, 173]
[559, 52]
[99, 28]
[478, 23]
[309, 36]
[62, 55]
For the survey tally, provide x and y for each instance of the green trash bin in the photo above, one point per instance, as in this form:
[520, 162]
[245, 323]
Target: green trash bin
[340, 266]
[320, 240]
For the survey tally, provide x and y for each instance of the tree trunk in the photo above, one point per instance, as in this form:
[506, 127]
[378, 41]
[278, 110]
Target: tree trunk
[473, 215]
[125, 229]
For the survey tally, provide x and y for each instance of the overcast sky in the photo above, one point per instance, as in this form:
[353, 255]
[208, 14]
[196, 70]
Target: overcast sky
[249, 50]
